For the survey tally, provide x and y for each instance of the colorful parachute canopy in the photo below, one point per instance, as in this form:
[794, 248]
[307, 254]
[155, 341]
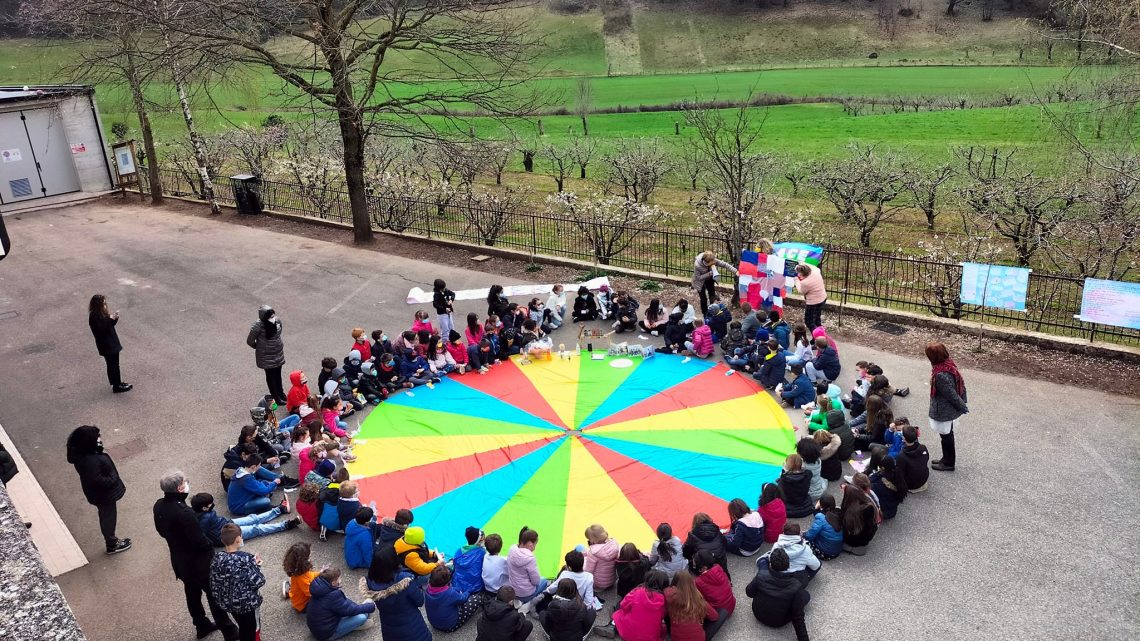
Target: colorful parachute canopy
[800, 253]
[559, 445]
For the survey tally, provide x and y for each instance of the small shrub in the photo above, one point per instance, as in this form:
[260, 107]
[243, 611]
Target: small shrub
[241, 108]
[649, 286]
[120, 130]
[587, 275]
[272, 120]
[534, 267]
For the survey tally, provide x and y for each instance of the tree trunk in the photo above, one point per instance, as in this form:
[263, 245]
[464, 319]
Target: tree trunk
[528, 161]
[352, 136]
[865, 237]
[156, 197]
[929, 211]
[558, 181]
[582, 173]
[585, 126]
[188, 115]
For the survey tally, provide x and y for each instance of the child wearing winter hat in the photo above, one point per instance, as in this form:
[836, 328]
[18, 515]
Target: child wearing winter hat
[458, 351]
[417, 557]
[370, 386]
[468, 563]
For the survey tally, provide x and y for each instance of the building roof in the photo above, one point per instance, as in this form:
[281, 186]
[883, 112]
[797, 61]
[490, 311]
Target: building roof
[18, 93]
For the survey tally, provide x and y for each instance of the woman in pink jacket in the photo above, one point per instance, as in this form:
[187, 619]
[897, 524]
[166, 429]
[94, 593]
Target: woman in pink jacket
[809, 282]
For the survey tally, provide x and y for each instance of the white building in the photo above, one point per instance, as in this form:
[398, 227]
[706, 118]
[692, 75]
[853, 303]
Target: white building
[51, 146]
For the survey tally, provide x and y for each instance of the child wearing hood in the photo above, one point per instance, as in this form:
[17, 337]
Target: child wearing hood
[522, 567]
[601, 554]
[501, 621]
[802, 562]
[391, 530]
[369, 385]
[448, 608]
[416, 370]
[585, 307]
[360, 343]
[299, 393]
[717, 320]
[605, 303]
[468, 563]
[352, 365]
[418, 559]
[745, 533]
[734, 339]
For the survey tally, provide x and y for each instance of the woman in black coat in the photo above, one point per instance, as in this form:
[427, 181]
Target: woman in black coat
[265, 338]
[102, 323]
[100, 481]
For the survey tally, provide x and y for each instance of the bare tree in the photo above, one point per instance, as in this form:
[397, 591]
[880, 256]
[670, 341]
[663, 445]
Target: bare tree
[491, 213]
[312, 161]
[938, 269]
[637, 167]
[864, 187]
[924, 185]
[398, 202]
[496, 155]
[347, 56]
[582, 151]
[1101, 239]
[258, 146]
[186, 160]
[107, 45]
[795, 173]
[608, 224]
[689, 162]
[584, 104]
[1022, 205]
[559, 163]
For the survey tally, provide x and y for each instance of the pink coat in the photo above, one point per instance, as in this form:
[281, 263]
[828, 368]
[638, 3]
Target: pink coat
[775, 515]
[600, 558]
[418, 325]
[522, 571]
[473, 338]
[458, 352]
[812, 287]
[702, 340]
[641, 616]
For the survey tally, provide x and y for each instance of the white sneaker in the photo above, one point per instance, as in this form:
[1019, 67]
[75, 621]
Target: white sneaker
[285, 589]
[654, 333]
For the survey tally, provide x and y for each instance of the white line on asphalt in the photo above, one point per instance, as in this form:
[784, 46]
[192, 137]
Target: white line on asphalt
[275, 279]
[351, 296]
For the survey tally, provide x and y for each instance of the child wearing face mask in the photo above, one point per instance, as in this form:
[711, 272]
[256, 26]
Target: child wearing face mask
[360, 343]
[380, 343]
[585, 306]
[299, 393]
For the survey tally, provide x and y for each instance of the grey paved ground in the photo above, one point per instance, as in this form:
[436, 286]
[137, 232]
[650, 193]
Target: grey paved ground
[1034, 537]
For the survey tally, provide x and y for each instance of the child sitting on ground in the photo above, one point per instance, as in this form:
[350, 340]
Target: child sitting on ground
[467, 564]
[717, 320]
[688, 611]
[802, 562]
[300, 571]
[369, 385]
[522, 567]
[778, 329]
[299, 393]
[308, 507]
[574, 570]
[825, 536]
[416, 370]
[913, 460]
[330, 504]
[251, 526]
[772, 511]
[625, 310]
[328, 364]
[601, 553]
[388, 371]
[630, 568]
[321, 474]
[458, 352]
[772, 369]
[556, 306]
[391, 530]
[360, 343]
[359, 536]
[701, 344]
[352, 365]
[501, 621]
[800, 351]
[800, 391]
[494, 572]
[438, 358]
[605, 303]
[331, 409]
[247, 495]
[416, 556]
[713, 583]
[380, 343]
[585, 307]
[733, 340]
[448, 608]
[745, 533]
[422, 322]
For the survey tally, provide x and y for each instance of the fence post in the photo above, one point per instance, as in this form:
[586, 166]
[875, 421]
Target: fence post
[667, 243]
[533, 238]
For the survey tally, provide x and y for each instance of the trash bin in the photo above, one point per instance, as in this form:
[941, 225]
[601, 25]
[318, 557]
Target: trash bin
[247, 194]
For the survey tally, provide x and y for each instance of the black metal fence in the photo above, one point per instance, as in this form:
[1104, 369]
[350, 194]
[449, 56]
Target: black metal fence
[853, 276]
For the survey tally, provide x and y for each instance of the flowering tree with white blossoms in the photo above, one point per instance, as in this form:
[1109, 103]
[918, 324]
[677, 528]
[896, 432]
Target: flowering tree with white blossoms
[490, 212]
[395, 202]
[608, 224]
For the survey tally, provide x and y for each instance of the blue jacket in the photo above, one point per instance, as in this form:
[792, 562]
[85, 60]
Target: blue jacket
[828, 539]
[800, 391]
[357, 545]
[244, 488]
[398, 604]
[746, 534]
[211, 523]
[442, 607]
[772, 370]
[467, 569]
[827, 361]
[408, 366]
[718, 323]
[327, 606]
[894, 442]
[782, 333]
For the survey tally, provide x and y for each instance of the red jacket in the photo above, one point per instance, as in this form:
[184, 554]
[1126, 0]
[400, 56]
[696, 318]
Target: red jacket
[775, 515]
[689, 630]
[364, 347]
[298, 394]
[310, 514]
[717, 589]
[458, 352]
[702, 340]
[641, 615]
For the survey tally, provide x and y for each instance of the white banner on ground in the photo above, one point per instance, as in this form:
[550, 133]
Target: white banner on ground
[418, 296]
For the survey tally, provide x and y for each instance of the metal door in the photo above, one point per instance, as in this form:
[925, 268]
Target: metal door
[19, 179]
[52, 152]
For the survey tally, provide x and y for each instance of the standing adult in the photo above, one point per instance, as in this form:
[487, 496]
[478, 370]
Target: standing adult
[265, 338]
[102, 323]
[809, 282]
[947, 402]
[705, 273]
[100, 482]
[191, 554]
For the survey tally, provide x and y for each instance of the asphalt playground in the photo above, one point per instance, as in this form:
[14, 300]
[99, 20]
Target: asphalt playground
[1033, 537]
